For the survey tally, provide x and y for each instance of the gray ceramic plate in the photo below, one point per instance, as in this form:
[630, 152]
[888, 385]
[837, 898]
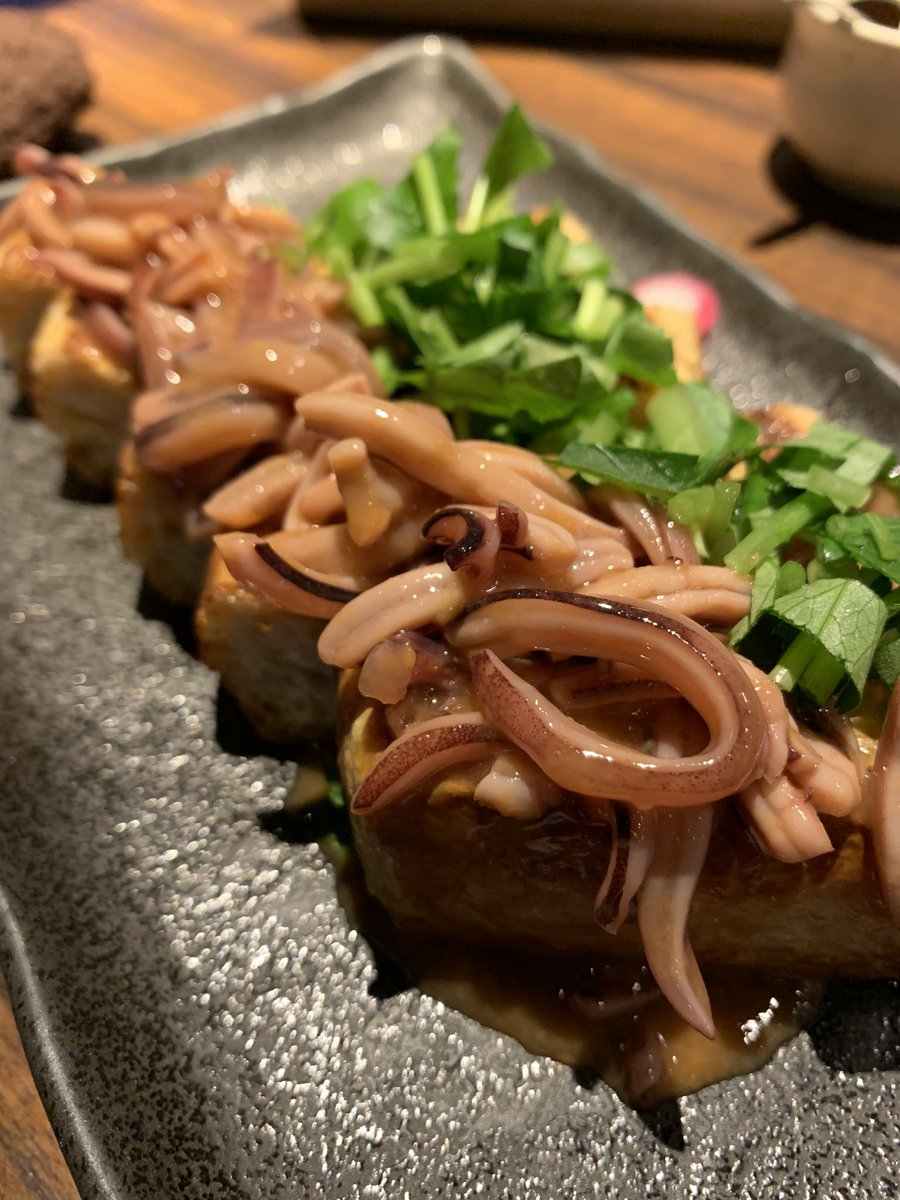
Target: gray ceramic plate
[200, 1020]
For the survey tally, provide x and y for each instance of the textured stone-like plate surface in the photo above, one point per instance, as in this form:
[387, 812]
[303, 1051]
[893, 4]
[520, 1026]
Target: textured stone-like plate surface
[200, 1018]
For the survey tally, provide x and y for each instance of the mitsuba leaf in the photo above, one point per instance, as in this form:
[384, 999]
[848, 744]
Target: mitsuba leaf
[691, 418]
[834, 462]
[545, 394]
[515, 151]
[870, 539]
[654, 473]
[820, 639]
[393, 217]
[840, 491]
[600, 417]
[401, 213]
[640, 350]
[485, 348]
[834, 441]
[771, 581]
[337, 233]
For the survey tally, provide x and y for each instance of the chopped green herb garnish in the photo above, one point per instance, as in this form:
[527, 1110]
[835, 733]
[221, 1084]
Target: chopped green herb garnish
[516, 151]
[777, 530]
[870, 539]
[819, 638]
[495, 316]
[515, 330]
[653, 473]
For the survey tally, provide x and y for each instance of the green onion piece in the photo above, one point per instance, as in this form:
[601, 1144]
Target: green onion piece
[429, 192]
[784, 524]
[822, 676]
[581, 258]
[725, 497]
[600, 429]
[419, 260]
[361, 299]
[843, 493]
[489, 345]
[794, 661]
[432, 323]
[693, 506]
[597, 311]
[477, 201]
[808, 666]
[760, 517]
[554, 250]
[865, 461]
[483, 284]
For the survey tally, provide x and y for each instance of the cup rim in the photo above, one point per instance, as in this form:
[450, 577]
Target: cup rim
[857, 23]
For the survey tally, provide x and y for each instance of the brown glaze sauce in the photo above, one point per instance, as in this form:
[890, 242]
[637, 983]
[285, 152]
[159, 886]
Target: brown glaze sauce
[609, 1019]
[646, 1053]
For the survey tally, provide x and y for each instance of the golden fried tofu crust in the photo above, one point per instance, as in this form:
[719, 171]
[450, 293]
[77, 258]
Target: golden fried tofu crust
[441, 864]
[152, 511]
[79, 392]
[267, 660]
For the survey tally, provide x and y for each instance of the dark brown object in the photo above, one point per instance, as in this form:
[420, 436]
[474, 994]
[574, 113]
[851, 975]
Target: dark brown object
[882, 12]
[44, 83]
[694, 130]
[728, 22]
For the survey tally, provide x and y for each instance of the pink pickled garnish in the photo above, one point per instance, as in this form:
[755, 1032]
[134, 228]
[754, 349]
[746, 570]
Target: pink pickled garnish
[678, 289]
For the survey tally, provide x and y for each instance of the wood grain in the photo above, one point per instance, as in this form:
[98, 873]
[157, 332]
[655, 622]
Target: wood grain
[698, 130]
[31, 1163]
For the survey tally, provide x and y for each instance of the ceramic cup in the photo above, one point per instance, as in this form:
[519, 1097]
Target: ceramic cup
[841, 95]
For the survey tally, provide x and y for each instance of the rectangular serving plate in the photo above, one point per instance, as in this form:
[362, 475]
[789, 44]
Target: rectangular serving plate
[200, 1019]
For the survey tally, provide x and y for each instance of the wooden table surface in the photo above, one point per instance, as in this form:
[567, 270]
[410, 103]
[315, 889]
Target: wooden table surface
[698, 128]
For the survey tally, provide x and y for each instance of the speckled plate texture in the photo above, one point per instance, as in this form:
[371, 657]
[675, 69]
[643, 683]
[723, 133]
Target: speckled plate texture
[200, 1018]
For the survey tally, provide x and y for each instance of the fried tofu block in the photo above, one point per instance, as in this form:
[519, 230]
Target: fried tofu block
[79, 392]
[267, 660]
[443, 866]
[24, 296]
[152, 511]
